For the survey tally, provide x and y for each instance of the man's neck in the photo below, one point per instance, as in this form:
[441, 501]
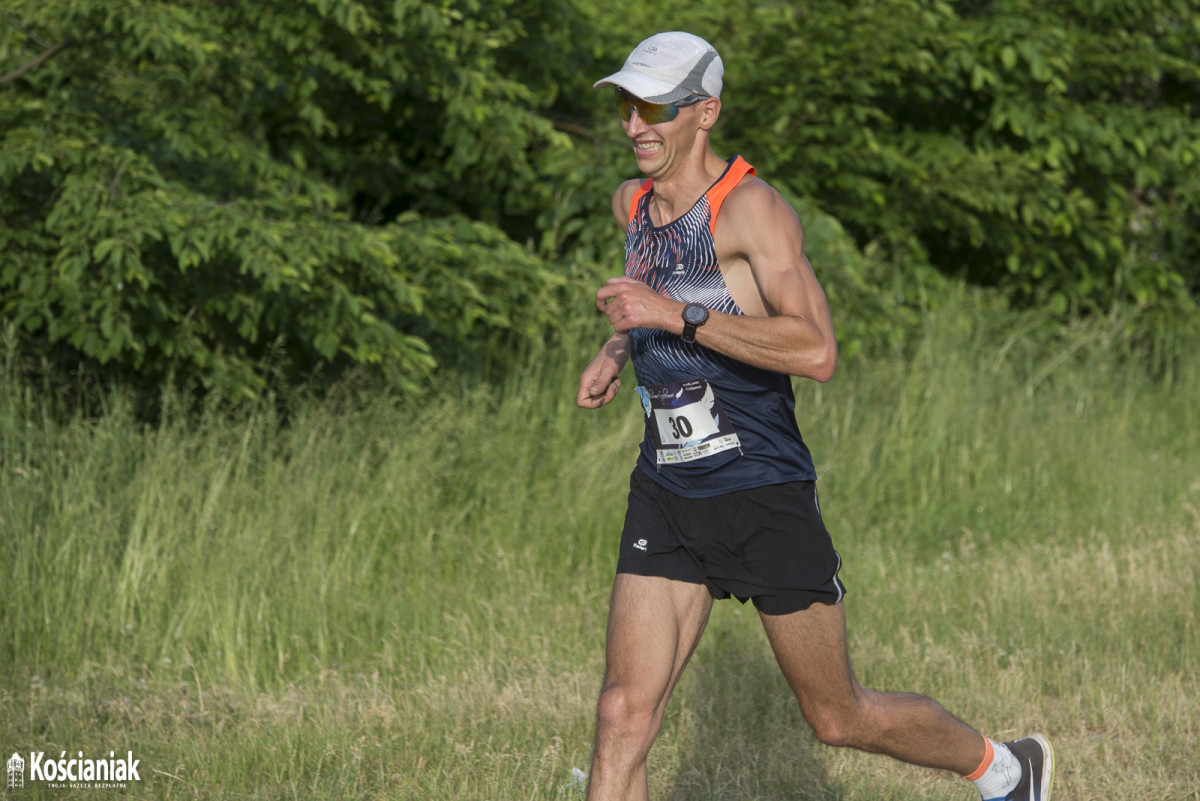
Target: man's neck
[676, 193]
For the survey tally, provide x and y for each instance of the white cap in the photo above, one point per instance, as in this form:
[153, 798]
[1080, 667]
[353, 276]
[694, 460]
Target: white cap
[668, 67]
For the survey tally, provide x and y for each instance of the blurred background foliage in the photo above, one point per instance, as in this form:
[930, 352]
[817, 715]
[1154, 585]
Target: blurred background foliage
[236, 196]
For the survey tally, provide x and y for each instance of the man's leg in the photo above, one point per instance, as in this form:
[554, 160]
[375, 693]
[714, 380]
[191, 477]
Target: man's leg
[653, 627]
[810, 646]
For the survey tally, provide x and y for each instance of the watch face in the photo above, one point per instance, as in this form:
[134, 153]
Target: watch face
[694, 313]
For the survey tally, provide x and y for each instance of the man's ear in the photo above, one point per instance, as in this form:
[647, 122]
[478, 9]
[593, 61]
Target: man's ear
[710, 110]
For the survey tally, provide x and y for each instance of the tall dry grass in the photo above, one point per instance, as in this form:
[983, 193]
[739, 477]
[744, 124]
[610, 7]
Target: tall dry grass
[406, 601]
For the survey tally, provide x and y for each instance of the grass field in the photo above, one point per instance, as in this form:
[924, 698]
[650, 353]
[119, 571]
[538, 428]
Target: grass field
[406, 601]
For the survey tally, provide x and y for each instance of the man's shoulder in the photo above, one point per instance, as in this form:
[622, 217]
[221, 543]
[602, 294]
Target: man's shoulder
[753, 214]
[623, 197]
[752, 189]
[754, 198]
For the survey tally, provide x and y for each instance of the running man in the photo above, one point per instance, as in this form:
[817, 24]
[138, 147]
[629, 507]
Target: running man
[718, 307]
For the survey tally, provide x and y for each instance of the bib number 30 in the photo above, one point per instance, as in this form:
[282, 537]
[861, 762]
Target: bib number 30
[681, 429]
[687, 421]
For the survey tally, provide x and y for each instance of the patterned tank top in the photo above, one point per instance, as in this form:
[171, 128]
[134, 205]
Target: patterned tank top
[748, 436]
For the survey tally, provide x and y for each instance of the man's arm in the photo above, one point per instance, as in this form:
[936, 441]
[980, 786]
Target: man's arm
[787, 326]
[598, 384]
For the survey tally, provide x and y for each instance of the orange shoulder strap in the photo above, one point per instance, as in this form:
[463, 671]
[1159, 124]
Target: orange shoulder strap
[637, 196]
[716, 196]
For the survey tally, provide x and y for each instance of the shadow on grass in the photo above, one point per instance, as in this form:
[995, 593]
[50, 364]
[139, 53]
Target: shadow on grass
[742, 737]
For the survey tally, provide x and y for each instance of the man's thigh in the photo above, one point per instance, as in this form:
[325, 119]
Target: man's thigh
[810, 646]
[654, 624]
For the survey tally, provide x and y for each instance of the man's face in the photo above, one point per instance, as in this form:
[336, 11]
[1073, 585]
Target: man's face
[657, 130]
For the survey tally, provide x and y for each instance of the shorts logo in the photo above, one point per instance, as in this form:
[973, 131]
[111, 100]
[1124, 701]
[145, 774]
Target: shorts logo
[641, 544]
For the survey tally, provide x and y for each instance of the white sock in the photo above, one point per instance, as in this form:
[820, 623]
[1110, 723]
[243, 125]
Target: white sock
[1000, 777]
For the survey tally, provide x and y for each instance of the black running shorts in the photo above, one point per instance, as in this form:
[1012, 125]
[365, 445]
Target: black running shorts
[767, 544]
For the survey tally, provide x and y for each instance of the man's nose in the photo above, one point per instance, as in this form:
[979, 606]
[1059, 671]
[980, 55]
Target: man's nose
[636, 123]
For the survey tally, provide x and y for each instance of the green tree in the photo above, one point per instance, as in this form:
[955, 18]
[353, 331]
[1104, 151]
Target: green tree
[233, 190]
[218, 191]
[1050, 149]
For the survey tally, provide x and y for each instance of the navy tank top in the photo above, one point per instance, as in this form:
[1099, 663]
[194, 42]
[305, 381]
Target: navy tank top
[679, 260]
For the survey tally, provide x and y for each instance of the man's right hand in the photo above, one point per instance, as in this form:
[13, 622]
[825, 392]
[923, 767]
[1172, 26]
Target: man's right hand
[598, 384]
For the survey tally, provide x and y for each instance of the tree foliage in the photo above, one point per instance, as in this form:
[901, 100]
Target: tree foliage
[225, 191]
[1051, 149]
[218, 191]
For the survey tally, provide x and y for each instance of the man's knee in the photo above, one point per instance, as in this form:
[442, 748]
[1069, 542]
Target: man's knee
[840, 726]
[623, 714]
[832, 730]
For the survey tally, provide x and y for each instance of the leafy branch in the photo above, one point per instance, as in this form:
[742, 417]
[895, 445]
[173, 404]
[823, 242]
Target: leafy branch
[49, 52]
[36, 62]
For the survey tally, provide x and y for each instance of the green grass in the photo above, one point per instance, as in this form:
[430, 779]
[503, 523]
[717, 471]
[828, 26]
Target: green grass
[406, 601]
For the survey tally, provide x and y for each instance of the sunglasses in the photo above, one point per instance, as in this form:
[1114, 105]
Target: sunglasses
[651, 113]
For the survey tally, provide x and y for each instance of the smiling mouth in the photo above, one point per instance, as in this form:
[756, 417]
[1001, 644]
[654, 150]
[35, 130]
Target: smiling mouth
[647, 147]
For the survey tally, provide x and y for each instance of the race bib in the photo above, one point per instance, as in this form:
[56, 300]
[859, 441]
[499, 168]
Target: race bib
[687, 421]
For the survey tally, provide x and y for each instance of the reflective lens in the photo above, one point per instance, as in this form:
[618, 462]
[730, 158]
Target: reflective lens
[651, 113]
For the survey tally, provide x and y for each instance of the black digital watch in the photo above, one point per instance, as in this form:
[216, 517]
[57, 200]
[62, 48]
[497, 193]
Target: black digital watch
[694, 316]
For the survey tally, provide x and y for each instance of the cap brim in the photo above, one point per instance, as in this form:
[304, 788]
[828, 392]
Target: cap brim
[644, 87]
